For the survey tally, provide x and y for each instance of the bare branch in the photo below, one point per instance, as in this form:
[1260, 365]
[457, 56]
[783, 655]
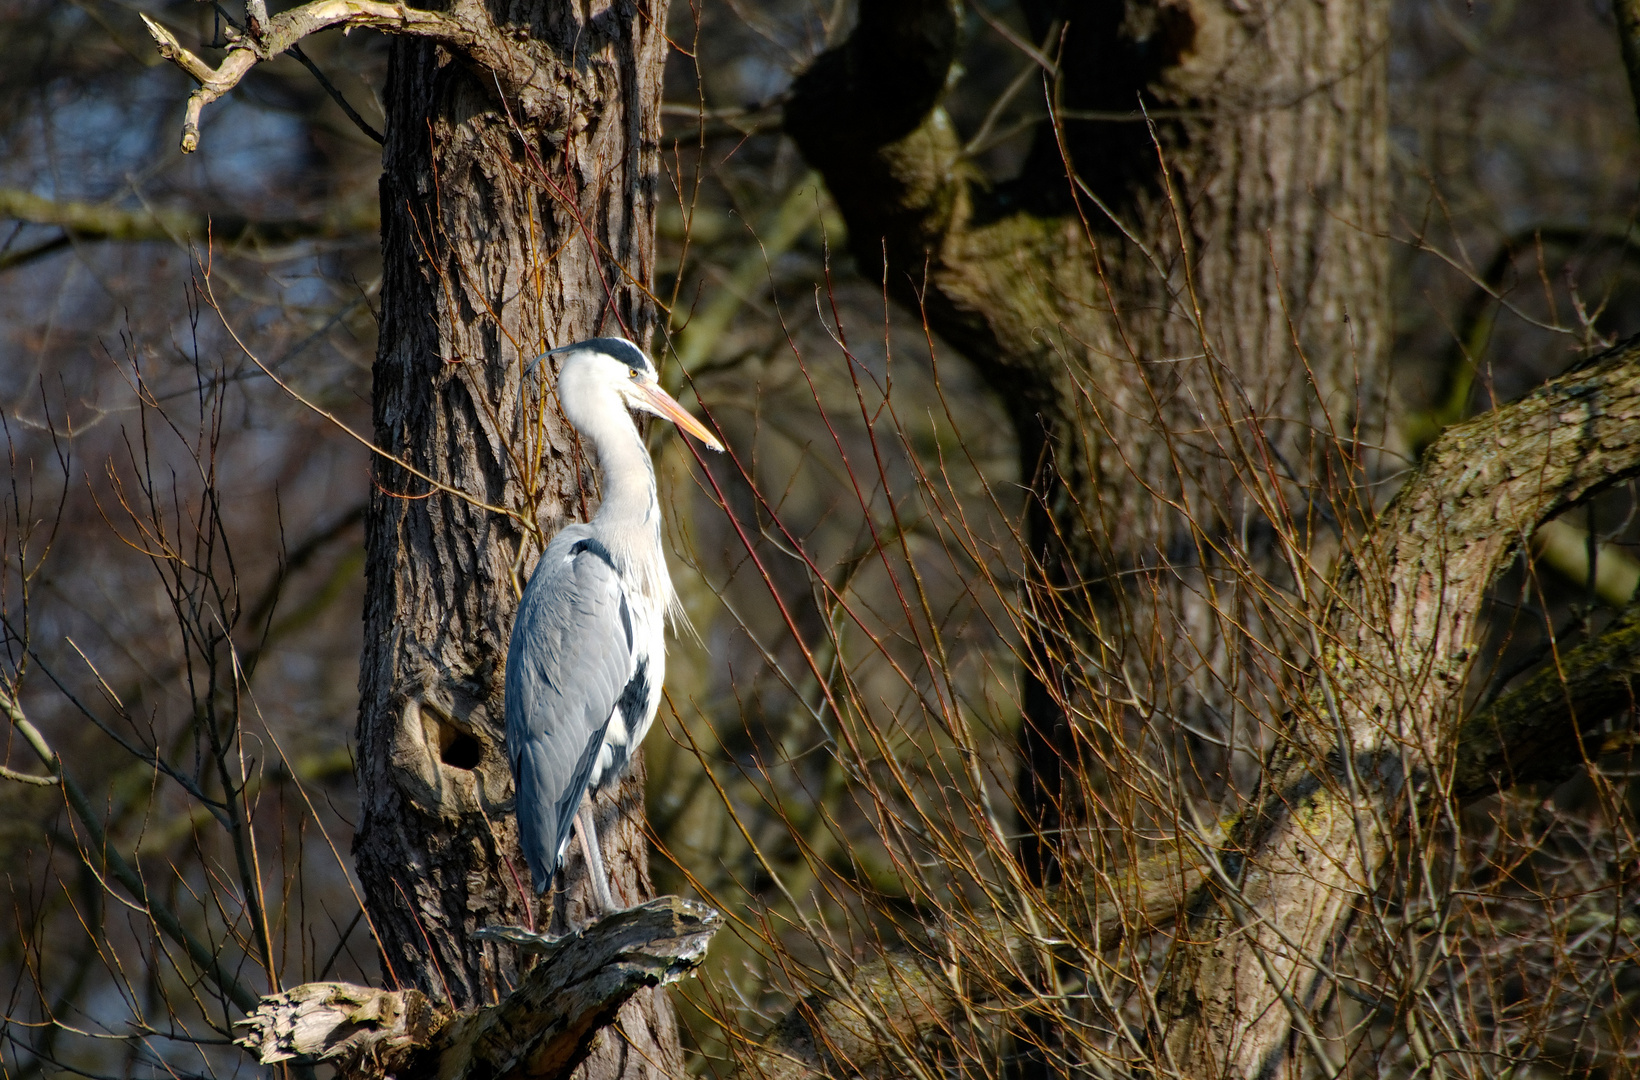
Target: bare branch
[542, 1029]
[7, 773]
[203, 956]
[336, 95]
[465, 28]
[1488, 483]
[914, 996]
[1387, 691]
[98, 221]
[107, 222]
[36, 742]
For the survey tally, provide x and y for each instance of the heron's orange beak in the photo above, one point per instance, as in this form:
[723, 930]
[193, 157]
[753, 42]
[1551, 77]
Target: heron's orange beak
[666, 406]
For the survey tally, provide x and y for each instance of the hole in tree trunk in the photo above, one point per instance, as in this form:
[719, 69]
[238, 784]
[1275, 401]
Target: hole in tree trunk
[458, 749]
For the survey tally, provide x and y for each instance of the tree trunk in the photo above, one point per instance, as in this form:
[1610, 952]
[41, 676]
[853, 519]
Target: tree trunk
[1189, 328]
[509, 225]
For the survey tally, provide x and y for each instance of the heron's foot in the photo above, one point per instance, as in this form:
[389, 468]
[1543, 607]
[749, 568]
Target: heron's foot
[527, 940]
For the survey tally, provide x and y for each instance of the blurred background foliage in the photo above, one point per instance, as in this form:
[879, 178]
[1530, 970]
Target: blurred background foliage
[133, 422]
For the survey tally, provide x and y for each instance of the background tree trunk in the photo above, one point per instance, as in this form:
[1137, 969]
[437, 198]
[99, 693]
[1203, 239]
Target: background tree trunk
[1159, 303]
[507, 228]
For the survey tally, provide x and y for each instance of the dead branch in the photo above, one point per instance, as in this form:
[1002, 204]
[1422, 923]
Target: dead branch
[333, 1021]
[465, 28]
[542, 1029]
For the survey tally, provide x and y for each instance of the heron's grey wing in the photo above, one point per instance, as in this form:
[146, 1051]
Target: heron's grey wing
[570, 657]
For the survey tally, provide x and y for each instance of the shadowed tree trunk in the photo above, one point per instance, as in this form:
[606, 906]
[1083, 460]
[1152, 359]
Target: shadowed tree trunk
[1187, 278]
[1135, 320]
[517, 214]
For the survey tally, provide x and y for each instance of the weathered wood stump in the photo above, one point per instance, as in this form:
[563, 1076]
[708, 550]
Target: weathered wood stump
[543, 1029]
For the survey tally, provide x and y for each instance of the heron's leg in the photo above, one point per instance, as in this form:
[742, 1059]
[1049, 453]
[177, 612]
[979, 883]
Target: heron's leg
[588, 832]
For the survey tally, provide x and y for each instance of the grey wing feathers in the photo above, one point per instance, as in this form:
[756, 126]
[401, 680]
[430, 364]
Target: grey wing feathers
[570, 657]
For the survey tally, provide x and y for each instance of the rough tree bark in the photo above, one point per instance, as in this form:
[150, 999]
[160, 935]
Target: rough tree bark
[511, 222]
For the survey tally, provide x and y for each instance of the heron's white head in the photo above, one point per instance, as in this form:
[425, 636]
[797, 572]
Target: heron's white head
[610, 365]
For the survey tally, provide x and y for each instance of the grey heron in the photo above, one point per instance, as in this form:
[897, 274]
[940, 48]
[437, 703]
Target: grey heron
[588, 648]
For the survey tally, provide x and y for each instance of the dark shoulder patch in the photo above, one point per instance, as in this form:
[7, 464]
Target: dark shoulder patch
[595, 547]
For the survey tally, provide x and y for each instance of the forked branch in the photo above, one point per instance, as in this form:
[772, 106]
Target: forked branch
[1382, 707]
[465, 28]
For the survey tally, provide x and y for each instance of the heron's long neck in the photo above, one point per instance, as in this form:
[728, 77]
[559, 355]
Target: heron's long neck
[629, 520]
[628, 482]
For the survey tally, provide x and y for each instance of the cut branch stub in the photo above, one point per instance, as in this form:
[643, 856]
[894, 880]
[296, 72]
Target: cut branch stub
[544, 1028]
